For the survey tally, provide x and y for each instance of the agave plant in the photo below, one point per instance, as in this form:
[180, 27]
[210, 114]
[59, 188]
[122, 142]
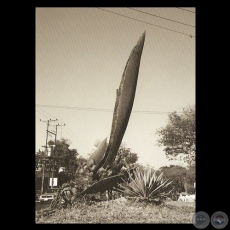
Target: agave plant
[145, 184]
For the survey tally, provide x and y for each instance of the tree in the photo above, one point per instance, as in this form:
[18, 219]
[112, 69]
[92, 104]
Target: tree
[190, 178]
[183, 178]
[179, 135]
[38, 156]
[177, 174]
[63, 156]
[127, 155]
[124, 159]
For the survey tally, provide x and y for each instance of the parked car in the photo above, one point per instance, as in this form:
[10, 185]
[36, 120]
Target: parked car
[47, 197]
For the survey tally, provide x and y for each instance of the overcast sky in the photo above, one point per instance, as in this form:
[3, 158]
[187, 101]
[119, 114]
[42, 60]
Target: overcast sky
[81, 54]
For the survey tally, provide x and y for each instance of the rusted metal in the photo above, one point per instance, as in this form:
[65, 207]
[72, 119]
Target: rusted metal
[94, 161]
[124, 101]
[109, 183]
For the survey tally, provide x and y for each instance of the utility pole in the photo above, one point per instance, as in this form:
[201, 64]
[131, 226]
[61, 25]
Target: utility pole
[56, 135]
[52, 169]
[46, 151]
[54, 153]
[43, 169]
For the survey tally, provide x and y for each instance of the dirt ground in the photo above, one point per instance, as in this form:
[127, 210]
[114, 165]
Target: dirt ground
[123, 211]
[181, 204]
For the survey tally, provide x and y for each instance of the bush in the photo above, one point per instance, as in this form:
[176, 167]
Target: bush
[145, 184]
[191, 190]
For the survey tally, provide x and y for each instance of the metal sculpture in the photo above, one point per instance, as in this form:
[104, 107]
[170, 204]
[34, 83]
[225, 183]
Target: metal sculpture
[124, 101]
[100, 163]
[102, 159]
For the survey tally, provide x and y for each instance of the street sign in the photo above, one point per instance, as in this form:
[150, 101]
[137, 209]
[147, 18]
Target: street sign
[54, 182]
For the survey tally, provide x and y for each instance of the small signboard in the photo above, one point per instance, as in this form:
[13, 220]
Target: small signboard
[48, 152]
[54, 181]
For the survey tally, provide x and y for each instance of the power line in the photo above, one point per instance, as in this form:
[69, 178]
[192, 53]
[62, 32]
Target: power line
[42, 114]
[46, 112]
[103, 110]
[77, 108]
[76, 138]
[147, 23]
[65, 126]
[160, 17]
[186, 10]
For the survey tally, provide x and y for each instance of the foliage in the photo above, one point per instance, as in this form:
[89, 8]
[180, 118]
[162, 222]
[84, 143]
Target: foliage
[61, 156]
[190, 178]
[65, 195]
[64, 156]
[177, 175]
[38, 156]
[126, 154]
[146, 184]
[179, 135]
[124, 159]
[182, 178]
[190, 190]
[191, 173]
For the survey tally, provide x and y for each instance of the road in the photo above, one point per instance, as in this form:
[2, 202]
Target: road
[39, 205]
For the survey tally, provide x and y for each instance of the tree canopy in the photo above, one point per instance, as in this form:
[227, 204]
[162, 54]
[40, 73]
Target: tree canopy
[183, 178]
[179, 135]
[61, 156]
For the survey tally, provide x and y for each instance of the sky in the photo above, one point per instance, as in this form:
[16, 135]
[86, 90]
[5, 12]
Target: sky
[80, 57]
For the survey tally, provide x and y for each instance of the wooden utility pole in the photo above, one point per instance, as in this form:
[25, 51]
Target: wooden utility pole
[43, 169]
[55, 142]
[46, 152]
[52, 181]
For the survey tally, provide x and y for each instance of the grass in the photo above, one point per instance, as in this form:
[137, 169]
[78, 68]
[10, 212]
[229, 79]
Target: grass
[122, 211]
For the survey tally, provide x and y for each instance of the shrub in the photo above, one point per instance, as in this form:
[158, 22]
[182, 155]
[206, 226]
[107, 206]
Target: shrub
[145, 184]
[191, 190]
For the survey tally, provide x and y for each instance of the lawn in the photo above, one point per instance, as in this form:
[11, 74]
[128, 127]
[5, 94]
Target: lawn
[123, 211]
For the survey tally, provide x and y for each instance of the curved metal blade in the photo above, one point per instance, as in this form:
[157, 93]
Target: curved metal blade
[124, 101]
[106, 184]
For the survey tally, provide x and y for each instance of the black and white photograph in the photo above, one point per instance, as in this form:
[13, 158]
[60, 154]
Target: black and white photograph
[115, 115]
